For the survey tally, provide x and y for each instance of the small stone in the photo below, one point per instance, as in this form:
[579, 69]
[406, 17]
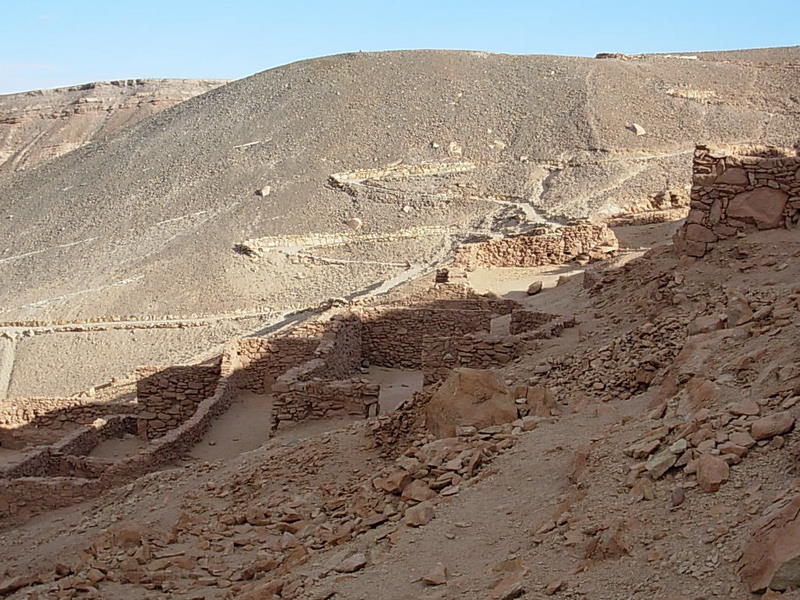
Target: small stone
[660, 463]
[535, 288]
[508, 588]
[436, 576]
[417, 491]
[552, 587]
[264, 192]
[677, 496]
[637, 129]
[712, 472]
[352, 563]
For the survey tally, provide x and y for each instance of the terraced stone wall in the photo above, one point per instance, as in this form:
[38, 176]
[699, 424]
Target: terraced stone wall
[538, 249]
[736, 190]
[527, 320]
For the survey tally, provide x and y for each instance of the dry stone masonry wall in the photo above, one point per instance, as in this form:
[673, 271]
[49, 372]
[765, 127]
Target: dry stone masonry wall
[536, 249]
[395, 337]
[168, 396]
[736, 190]
[262, 360]
[477, 350]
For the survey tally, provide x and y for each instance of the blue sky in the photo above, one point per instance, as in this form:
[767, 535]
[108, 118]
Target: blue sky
[48, 43]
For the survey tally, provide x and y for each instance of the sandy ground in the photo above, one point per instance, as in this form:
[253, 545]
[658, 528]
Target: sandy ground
[118, 448]
[243, 427]
[397, 385]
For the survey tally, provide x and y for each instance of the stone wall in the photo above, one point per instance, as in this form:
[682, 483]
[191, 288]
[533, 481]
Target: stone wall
[25, 421]
[477, 350]
[455, 296]
[315, 399]
[736, 190]
[395, 337]
[320, 387]
[534, 250]
[168, 396]
[527, 320]
[262, 360]
[59, 459]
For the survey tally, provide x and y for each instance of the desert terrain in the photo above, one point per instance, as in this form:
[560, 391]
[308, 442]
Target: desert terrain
[413, 325]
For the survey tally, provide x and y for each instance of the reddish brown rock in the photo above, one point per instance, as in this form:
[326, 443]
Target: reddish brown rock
[712, 472]
[436, 576]
[698, 233]
[470, 397]
[419, 515]
[733, 176]
[771, 557]
[776, 424]
[418, 491]
[761, 206]
[744, 407]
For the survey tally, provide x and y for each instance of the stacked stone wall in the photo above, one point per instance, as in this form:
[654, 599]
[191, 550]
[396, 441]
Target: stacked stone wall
[168, 396]
[37, 421]
[736, 190]
[478, 351]
[262, 360]
[60, 459]
[534, 250]
[320, 387]
[395, 337]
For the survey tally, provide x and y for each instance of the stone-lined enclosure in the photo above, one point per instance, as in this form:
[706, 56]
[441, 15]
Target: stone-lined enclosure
[736, 190]
[311, 371]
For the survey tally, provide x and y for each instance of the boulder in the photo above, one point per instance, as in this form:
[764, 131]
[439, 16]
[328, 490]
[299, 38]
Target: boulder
[712, 472]
[352, 563]
[473, 397]
[419, 515]
[705, 324]
[739, 311]
[417, 491]
[767, 427]
[762, 206]
[535, 288]
[771, 557]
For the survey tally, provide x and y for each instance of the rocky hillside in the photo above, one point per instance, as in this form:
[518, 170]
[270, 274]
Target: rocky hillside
[342, 175]
[42, 124]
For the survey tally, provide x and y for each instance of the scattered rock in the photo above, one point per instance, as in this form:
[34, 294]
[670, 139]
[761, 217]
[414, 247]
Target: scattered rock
[776, 424]
[436, 576]
[637, 129]
[712, 472]
[352, 563]
[419, 515]
[264, 192]
[534, 288]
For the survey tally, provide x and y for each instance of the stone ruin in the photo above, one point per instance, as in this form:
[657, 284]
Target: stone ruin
[736, 190]
[312, 371]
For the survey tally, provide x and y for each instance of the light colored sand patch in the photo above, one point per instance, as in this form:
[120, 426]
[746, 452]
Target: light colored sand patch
[243, 427]
[118, 447]
[397, 385]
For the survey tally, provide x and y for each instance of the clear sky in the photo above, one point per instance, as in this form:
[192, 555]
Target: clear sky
[49, 43]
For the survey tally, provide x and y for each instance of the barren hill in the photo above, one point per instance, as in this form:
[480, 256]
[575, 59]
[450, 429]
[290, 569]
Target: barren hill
[42, 124]
[373, 164]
